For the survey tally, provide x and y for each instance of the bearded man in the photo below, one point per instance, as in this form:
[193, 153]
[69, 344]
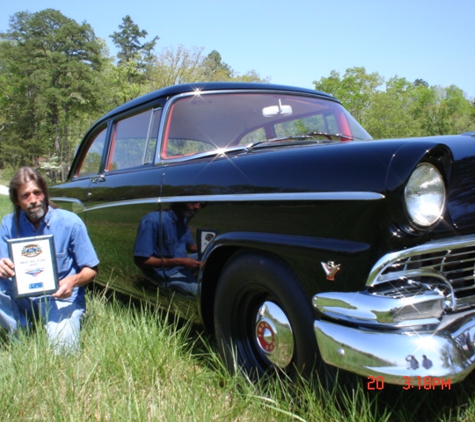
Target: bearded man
[76, 263]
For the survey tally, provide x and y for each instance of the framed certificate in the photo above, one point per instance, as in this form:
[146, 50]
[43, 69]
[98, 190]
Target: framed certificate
[36, 272]
[203, 238]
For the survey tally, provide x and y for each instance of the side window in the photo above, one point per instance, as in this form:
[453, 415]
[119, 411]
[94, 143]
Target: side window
[92, 160]
[134, 140]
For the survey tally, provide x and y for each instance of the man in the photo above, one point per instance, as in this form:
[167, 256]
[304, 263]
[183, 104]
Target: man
[75, 258]
[162, 246]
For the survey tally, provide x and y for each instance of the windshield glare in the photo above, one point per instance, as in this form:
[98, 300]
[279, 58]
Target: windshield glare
[219, 121]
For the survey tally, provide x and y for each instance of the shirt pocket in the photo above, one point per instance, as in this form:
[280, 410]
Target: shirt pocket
[63, 262]
[168, 248]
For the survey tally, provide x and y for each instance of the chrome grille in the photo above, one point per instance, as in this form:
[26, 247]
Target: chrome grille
[449, 263]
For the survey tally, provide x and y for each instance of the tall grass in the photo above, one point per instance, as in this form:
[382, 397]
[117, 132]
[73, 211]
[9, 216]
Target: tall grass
[137, 363]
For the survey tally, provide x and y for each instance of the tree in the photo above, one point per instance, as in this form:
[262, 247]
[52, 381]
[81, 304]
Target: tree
[128, 42]
[215, 69]
[182, 65]
[449, 112]
[355, 89]
[177, 66]
[52, 64]
[421, 82]
[136, 59]
[402, 109]
[390, 114]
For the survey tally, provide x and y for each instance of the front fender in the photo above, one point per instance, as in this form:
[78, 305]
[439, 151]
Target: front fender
[307, 256]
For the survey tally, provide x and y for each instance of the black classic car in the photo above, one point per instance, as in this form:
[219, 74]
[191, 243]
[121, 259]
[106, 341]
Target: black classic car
[309, 242]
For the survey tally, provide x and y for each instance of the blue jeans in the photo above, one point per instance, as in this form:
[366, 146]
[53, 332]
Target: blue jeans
[62, 319]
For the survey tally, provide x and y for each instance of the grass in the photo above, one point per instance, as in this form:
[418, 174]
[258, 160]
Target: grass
[5, 206]
[139, 364]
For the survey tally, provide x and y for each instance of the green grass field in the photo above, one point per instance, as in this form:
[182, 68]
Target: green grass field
[5, 205]
[138, 364]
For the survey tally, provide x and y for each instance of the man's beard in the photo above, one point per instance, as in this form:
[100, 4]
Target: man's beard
[36, 213]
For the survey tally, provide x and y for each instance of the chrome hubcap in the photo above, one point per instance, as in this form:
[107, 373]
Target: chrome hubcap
[274, 334]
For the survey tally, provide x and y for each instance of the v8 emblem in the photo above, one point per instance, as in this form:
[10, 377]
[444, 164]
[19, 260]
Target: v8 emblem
[330, 269]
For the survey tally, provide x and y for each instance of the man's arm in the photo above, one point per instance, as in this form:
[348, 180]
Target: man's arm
[155, 262]
[67, 284]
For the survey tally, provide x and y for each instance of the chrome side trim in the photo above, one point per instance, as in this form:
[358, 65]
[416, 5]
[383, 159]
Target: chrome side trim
[286, 196]
[122, 203]
[402, 356]
[73, 201]
[252, 197]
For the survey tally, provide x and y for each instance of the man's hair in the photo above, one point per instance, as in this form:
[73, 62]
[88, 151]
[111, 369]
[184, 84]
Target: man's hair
[22, 176]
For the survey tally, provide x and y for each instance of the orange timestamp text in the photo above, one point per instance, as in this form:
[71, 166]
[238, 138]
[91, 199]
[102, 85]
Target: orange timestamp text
[411, 383]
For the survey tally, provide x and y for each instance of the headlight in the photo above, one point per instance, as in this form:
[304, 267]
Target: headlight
[425, 195]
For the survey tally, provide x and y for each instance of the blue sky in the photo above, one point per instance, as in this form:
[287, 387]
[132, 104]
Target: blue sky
[296, 42]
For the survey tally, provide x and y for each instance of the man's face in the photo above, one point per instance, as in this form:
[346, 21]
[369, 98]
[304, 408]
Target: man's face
[190, 209]
[31, 200]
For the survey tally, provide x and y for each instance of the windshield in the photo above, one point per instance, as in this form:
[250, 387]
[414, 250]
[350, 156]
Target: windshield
[220, 121]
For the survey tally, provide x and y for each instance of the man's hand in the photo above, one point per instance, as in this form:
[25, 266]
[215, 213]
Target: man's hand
[191, 264]
[67, 284]
[6, 268]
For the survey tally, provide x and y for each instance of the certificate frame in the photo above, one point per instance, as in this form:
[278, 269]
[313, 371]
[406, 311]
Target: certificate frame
[36, 272]
[203, 238]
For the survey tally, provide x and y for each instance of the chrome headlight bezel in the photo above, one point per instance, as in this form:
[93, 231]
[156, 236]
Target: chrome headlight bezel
[425, 196]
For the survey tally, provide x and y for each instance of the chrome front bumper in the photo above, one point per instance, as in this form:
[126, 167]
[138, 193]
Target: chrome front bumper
[400, 357]
[415, 319]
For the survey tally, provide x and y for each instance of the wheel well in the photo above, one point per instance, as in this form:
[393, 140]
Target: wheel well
[214, 266]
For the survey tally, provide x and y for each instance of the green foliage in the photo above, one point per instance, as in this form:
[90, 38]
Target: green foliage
[181, 65]
[215, 69]
[355, 89]
[57, 78]
[127, 40]
[402, 109]
[135, 58]
[52, 65]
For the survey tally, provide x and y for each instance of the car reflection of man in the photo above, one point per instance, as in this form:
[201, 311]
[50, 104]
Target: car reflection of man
[162, 246]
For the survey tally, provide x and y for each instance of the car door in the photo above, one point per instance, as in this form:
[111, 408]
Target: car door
[115, 184]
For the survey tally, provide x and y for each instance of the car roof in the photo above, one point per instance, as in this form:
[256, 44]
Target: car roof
[206, 86]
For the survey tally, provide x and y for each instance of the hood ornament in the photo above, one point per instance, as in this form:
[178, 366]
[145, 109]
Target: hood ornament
[330, 269]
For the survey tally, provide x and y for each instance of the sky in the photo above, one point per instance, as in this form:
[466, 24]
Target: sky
[297, 42]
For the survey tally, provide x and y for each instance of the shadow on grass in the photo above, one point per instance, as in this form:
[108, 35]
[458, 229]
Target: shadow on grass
[448, 403]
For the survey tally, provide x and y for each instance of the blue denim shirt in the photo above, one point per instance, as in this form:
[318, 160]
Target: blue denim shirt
[73, 247]
[172, 242]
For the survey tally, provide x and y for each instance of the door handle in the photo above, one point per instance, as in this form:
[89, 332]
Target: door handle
[98, 179]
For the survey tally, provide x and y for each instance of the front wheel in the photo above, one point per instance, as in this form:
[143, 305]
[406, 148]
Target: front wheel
[263, 320]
